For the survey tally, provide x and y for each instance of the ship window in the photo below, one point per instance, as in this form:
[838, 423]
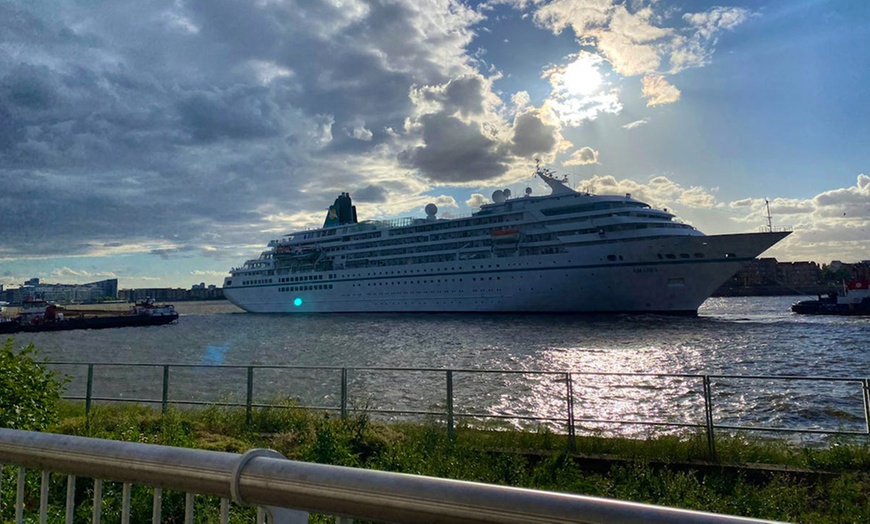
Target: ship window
[611, 257]
[730, 255]
[670, 256]
[699, 255]
[684, 255]
[229, 282]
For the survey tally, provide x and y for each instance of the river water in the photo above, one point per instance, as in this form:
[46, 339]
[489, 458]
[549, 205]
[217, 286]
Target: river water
[755, 336]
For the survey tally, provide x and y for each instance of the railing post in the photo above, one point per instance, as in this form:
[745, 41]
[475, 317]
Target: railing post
[866, 388]
[343, 393]
[250, 396]
[157, 505]
[19, 496]
[165, 399]
[569, 386]
[43, 497]
[450, 429]
[89, 389]
[70, 499]
[96, 514]
[708, 412]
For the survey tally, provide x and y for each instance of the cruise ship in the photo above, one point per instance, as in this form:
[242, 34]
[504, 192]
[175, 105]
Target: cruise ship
[566, 252]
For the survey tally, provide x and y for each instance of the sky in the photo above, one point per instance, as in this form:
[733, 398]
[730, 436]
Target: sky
[164, 142]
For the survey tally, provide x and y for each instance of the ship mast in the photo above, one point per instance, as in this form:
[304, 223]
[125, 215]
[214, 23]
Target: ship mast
[769, 221]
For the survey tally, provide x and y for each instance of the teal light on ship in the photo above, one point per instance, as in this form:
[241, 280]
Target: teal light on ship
[297, 301]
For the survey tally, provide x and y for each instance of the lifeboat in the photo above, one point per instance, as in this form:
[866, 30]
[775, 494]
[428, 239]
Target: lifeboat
[504, 235]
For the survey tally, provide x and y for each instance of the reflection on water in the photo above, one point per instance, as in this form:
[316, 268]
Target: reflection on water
[736, 336]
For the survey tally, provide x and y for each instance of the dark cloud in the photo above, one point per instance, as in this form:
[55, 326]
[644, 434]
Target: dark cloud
[455, 151]
[464, 95]
[374, 194]
[532, 137]
[238, 113]
[29, 87]
[172, 123]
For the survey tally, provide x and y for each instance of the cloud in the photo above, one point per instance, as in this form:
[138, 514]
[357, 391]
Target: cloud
[696, 49]
[476, 200]
[635, 40]
[852, 203]
[223, 121]
[464, 95]
[454, 151]
[371, 193]
[636, 123]
[579, 92]
[629, 43]
[710, 23]
[66, 273]
[461, 133]
[531, 136]
[659, 191]
[832, 225]
[658, 91]
[581, 157]
[574, 111]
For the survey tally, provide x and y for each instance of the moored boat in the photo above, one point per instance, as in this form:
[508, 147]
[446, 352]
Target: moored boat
[854, 299]
[38, 316]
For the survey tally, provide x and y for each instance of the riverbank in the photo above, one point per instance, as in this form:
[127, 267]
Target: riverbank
[756, 478]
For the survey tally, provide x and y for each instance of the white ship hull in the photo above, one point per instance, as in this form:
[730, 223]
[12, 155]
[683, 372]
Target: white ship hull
[672, 275]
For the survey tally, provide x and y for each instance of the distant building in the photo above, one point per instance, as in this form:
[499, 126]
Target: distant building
[767, 276]
[160, 294]
[64, 293]
[799, 274]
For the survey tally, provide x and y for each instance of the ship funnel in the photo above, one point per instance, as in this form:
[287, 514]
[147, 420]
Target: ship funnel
[341, 212]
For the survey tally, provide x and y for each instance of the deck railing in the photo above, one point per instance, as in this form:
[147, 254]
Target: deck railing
[285, 490]
[559, 393]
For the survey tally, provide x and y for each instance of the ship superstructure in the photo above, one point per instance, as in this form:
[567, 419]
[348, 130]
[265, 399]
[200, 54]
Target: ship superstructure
[566, 252]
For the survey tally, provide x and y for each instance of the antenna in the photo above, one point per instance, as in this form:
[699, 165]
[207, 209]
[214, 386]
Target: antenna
[769, 221]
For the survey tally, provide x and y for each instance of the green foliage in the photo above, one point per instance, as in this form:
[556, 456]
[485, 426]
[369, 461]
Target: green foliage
[29, 392]
[830, 276]
[669, 471]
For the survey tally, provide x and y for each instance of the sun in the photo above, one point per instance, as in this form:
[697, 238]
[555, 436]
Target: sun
[581, 77]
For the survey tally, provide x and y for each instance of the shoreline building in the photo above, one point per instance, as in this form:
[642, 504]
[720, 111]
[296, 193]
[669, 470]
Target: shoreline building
[89, 293]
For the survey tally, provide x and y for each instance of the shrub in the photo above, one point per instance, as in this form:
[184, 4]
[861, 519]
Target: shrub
[29, 391]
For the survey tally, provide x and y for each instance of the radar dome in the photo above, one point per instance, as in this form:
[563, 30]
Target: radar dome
[507, 193]
[498, 196]
[528, 191]
[431, 209]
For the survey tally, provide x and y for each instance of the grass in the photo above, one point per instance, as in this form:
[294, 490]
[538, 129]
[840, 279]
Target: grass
[796, 484]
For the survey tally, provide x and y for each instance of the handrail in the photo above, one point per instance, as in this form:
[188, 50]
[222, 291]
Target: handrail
[571, 381]
[461, 370]
[336, 490]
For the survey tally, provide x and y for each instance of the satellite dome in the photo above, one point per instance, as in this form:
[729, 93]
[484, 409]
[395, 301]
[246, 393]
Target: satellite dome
[507, 193]
[498, 196]
[528, 191]
[431, 209]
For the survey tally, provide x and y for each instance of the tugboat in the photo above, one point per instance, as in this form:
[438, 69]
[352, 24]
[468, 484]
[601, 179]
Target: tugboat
[853, 300]
[37, 315]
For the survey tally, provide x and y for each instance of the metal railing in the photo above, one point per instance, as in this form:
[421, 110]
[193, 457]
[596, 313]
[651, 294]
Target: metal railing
[563, 391]
[287, 490]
